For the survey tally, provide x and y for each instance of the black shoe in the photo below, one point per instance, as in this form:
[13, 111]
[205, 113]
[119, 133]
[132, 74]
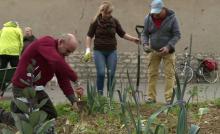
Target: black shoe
[150, 101]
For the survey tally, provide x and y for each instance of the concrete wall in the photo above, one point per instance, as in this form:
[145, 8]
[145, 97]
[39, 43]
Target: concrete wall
[199, 17]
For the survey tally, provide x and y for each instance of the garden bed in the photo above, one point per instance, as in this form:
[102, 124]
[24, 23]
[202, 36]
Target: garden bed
[71, 121]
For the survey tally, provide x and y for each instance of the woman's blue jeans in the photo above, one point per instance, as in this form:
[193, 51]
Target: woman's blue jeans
[105, 59]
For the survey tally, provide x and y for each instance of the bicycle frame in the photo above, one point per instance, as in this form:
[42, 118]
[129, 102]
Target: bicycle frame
[186, 70]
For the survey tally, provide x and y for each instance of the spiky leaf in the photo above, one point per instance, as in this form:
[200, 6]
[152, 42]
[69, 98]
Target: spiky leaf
[17, 121]
[6, 131]
[161, 129]
[194, 129]
[22, 106]
[37, 117]
[37, 77]
[24, 82]
[47, 125]
[30, 68]
[26, 127]
[42, 103]
[203, 111]
[152, 118]
[29, 92]
[182, 123]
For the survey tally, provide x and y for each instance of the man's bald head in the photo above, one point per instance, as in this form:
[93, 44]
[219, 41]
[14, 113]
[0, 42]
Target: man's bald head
[67, 44]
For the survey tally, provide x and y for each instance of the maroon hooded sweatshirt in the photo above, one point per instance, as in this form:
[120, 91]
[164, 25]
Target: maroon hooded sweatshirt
[49, 62]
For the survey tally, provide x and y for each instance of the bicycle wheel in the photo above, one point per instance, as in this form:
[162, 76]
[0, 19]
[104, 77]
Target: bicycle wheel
[183, 72]
[210, 76]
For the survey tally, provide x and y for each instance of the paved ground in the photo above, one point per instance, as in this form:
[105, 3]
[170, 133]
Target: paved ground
[205, 92]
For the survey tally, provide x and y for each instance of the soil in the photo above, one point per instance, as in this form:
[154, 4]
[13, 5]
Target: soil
[209, 123]
[111, 124]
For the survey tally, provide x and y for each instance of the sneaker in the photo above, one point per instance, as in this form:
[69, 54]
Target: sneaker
[150, 101]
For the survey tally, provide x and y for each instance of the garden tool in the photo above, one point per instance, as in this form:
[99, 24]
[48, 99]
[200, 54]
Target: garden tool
[81, 104]
[139, 30]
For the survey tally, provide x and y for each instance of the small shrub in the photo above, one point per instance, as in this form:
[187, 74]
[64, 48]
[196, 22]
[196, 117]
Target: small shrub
[5, 105]
[217, 102]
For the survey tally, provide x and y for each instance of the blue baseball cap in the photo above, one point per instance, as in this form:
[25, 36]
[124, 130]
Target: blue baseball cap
[156, 6]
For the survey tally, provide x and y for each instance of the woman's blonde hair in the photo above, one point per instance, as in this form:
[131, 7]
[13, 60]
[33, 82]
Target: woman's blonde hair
[106, 6]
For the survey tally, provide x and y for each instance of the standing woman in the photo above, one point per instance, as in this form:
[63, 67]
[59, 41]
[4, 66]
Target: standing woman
[103, 29]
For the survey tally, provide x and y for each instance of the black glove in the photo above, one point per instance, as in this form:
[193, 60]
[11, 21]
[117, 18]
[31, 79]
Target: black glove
[72, 98]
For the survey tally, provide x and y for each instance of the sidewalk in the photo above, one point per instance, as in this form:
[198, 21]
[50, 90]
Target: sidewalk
[205, 92]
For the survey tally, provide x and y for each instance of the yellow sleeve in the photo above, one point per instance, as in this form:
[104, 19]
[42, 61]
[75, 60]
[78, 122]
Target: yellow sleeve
[20, 39]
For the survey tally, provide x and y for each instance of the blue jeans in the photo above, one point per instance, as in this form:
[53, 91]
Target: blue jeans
[104, 59]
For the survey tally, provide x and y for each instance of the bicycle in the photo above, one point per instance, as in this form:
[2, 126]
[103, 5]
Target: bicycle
[186, 72]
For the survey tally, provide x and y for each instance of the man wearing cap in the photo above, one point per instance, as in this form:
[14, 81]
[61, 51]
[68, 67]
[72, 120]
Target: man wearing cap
[161, 33]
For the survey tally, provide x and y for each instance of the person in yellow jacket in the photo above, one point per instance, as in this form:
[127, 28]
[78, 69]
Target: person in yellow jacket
[11, 44]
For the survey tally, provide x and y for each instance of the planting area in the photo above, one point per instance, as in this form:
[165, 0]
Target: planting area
[109, 121]
[97, 114]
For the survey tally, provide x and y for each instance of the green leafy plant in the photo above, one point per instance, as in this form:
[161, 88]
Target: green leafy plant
[194, 92]
[202, 111]
[182, 114]
[151, 127]
[66, 110]
[95, 103]
[5, 105]
[111, 89]
[127, 116]
[217, 102]
[32, 121]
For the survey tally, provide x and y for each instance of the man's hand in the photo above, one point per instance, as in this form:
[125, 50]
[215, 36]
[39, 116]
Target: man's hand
[164, 50]
[79, 91]
[147, 48]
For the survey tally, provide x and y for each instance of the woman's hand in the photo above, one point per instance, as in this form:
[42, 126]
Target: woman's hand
[131, 38]
[136, 40]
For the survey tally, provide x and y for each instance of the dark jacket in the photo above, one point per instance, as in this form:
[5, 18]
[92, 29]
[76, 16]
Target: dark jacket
[104, 32]
[27, 41]
[167, 35]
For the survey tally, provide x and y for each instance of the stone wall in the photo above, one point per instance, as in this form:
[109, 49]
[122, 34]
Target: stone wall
[53, 17]
[126, 61]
